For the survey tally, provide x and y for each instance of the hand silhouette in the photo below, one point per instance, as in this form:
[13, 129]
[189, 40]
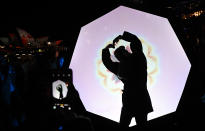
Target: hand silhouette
[59, 88]
[117, 39]
[110, 46]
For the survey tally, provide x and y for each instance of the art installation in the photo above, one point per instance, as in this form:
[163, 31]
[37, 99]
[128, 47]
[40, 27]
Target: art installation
[167, 64]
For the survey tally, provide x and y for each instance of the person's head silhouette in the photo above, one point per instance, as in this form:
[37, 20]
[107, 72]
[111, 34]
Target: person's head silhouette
[136, 46]
[121, 53]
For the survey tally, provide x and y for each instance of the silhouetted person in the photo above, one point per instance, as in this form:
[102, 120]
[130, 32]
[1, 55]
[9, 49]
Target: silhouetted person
[60, 89]
[132, 71]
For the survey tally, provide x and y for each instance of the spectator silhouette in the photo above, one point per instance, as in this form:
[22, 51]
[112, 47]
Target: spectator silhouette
[132, 71]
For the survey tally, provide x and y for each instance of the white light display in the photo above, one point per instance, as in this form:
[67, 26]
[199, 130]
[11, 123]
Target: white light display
[168, 65]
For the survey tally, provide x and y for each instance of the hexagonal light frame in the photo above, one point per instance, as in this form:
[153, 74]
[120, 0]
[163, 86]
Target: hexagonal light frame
[173, 63]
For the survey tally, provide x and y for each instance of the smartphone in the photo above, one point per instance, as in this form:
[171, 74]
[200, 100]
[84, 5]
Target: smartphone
[61, 79]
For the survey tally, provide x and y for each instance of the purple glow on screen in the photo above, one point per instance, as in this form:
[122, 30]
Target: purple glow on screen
[172, 62]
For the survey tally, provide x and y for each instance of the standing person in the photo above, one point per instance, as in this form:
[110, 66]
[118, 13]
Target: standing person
[132, 71]
[135, 97]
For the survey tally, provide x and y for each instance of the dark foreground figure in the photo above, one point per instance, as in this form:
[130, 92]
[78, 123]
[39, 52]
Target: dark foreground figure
[27, 101]
[132, 71]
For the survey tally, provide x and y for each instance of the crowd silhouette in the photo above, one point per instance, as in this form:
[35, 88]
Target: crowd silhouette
[26, 96]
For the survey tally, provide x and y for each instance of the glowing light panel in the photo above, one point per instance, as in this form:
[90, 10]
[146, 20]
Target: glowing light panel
[168, 65]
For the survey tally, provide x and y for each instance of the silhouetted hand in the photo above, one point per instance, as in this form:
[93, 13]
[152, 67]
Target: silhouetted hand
[117, 39]
[110, 46]
[59, 88]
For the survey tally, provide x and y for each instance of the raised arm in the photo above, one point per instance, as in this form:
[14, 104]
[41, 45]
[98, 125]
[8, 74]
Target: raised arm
[109, 64]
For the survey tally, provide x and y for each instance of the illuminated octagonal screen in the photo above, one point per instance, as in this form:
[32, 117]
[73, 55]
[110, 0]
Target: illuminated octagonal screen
[168, 65]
